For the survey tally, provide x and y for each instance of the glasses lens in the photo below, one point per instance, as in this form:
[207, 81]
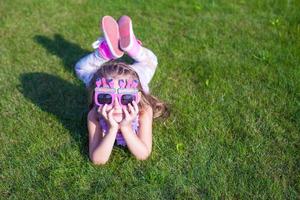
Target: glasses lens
[104, 98]
[127, 98]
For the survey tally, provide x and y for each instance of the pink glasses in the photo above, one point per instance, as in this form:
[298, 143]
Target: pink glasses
[105, 93]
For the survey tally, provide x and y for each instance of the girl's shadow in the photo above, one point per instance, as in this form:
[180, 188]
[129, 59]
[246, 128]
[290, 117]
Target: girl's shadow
[62, 99]
[68, 52]
[56, 96]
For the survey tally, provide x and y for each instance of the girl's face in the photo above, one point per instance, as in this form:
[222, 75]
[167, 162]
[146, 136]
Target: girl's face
[118, 113]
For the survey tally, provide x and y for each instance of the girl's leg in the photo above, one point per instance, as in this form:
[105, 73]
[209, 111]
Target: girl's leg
[110, 30]
[128, 41]
[107, 48]
[145, 66]
[146, 61]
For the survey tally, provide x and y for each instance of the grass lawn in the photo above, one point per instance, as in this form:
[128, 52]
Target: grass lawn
[229, 69]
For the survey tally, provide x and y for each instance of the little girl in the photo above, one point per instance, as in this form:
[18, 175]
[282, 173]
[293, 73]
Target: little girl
[122, 108]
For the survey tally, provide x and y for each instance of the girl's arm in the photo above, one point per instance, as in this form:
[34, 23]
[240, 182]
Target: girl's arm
[100, 147]
[87, 66]
[140, 144]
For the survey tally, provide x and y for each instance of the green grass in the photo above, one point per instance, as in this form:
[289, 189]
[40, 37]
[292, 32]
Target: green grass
[230, 71]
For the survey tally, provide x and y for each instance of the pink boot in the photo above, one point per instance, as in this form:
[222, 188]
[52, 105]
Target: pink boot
[128, 42]
[111, 34]
[103, 50]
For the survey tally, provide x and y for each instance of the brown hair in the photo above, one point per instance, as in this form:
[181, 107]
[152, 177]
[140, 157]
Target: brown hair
[114, 69]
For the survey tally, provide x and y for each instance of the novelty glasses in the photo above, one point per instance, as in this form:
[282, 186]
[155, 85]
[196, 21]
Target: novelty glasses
[105, 93]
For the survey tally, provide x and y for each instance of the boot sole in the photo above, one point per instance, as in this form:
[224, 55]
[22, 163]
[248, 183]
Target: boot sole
[125, 32]
[110, 29]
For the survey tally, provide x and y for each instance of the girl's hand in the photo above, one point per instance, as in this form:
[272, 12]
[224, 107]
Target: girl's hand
[129, 115]
[113, 125]
[93, 114]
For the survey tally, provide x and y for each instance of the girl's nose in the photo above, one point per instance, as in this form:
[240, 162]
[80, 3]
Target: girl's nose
[116, 103]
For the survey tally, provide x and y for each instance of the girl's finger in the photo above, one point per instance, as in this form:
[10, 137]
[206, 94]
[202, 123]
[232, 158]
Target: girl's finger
[110, 113]
[127, 116]
[98, 109]
[103, 111]
[131, 110]
[136, 107]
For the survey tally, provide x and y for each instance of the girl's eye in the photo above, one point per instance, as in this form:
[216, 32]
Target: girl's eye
[127, 98]
[104, 98]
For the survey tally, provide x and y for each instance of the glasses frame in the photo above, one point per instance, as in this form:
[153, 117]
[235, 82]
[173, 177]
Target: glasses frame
[115, 93]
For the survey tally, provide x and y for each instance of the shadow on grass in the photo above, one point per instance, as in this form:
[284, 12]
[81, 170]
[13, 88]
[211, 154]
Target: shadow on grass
[62, 99]
[56, 96]
[69, 52]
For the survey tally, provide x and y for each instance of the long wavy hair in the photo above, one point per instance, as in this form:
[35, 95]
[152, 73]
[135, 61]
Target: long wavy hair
[114, 69]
